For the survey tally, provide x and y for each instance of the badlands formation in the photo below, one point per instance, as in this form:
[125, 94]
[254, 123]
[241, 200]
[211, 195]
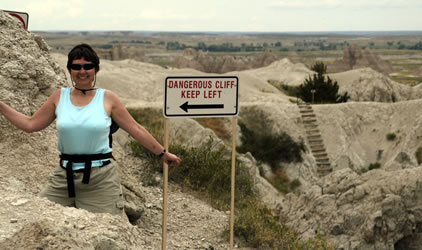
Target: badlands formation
[377, 209]
[354, 57]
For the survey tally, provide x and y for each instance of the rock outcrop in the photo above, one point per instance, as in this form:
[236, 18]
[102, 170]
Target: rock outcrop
[28, 75]
[354, 58]
[283, 71]
[204, 62]
[376, 210]
[368, 85]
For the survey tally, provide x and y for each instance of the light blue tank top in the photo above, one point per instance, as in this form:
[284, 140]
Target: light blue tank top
[83, 130]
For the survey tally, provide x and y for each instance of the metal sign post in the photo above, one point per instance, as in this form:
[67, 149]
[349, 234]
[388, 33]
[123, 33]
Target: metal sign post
[201, 96]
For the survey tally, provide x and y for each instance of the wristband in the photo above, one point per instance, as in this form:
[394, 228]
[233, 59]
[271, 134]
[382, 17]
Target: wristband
[162, 153]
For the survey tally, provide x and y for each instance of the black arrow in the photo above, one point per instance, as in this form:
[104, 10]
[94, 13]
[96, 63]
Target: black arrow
[185, 106]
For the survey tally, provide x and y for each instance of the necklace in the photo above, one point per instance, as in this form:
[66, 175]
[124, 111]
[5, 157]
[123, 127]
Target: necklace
[84, 90]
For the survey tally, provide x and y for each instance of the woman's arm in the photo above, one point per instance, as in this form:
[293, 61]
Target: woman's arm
[44, 116]
[125, 121]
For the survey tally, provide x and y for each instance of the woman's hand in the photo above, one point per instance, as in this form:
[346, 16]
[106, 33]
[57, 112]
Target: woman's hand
[171, 159]
[44, 116]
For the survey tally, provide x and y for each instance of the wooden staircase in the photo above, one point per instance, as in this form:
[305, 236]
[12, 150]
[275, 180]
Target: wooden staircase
[314, 139]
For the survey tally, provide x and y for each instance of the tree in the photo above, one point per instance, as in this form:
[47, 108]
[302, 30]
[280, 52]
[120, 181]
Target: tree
[202, 46]
[321, 89]
[417, 46]
[319, 67]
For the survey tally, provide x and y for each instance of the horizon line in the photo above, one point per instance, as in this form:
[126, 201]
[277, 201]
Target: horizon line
[239, 32]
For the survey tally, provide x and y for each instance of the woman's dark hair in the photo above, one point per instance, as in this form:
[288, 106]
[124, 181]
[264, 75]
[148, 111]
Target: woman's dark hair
[86, 52]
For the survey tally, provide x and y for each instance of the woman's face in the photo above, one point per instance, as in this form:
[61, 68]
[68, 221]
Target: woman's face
[82, 75]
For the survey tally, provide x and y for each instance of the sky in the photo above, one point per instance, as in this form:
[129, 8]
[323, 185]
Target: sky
[221, 15]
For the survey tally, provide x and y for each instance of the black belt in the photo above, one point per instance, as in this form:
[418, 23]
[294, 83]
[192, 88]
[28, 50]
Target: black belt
[105, 163]
[87, 159]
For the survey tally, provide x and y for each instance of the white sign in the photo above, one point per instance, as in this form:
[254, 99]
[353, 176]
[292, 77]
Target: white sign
[205, 96]
[22, 16]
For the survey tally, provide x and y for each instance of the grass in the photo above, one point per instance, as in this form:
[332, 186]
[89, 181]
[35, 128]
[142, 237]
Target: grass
[206, 171]
[151, 119]
[217, 125]
[284, 88]
[408, 80]
[281, 181]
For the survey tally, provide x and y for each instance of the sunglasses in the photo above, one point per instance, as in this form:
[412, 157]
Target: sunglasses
[88, 66]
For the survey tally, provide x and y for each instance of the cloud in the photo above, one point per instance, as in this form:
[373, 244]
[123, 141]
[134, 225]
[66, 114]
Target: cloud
[71, 8]
[172, 15]
[165, 15]
[305, 4]
[345, 4]
[220, 15]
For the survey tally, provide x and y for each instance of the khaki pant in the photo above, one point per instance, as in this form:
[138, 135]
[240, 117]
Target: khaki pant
[102, 195]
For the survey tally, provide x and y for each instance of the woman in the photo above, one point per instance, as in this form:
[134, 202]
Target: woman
[87, 176]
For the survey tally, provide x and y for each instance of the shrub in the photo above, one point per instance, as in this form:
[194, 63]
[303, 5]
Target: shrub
[391, 136]
[280, 181]
[325, 89]
[270, 148]
[418, 155]
[374, 166]
[259, 228]
[207, 169]
[256, 225]
[295, 184]
[362, 171]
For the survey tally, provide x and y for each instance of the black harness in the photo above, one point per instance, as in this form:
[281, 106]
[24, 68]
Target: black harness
[87, 159]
